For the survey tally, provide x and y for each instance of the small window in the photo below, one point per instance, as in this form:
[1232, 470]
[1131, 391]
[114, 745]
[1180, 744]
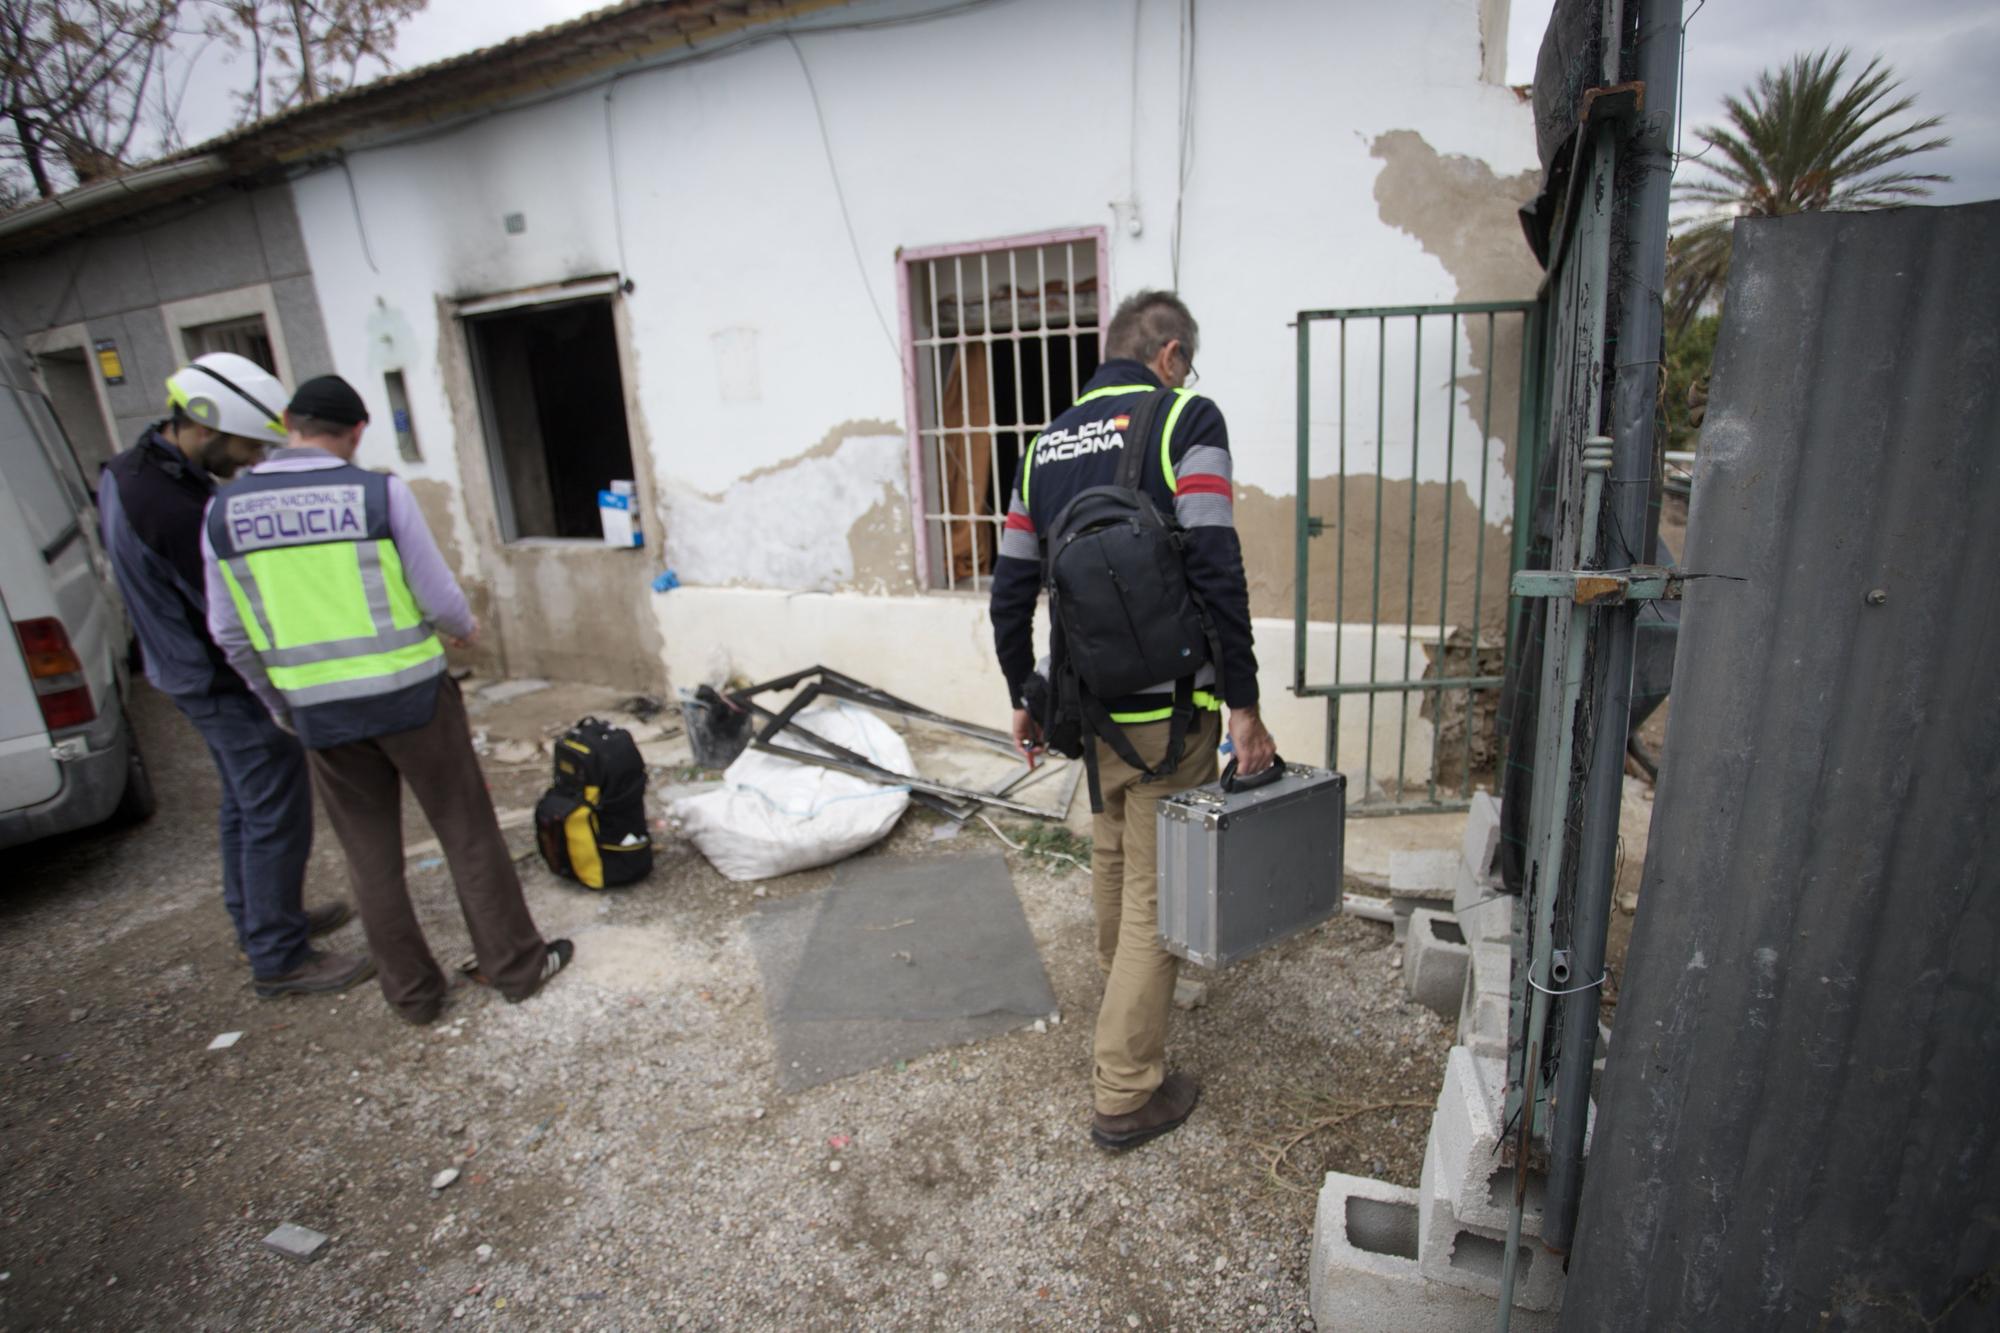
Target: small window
[1001, 336]
[554, 406]
[247, 337]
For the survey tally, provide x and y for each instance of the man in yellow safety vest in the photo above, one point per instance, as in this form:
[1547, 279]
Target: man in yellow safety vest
[327, 592]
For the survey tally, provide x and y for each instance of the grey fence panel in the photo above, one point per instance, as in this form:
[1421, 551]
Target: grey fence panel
[1799, 1125]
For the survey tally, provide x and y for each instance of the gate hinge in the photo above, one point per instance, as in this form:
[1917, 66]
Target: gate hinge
[1589, 587]
[1315, 527]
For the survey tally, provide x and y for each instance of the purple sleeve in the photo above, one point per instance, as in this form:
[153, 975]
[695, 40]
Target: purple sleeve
[436, 591]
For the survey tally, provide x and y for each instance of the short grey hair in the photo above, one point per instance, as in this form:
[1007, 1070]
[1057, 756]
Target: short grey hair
[1147, 321]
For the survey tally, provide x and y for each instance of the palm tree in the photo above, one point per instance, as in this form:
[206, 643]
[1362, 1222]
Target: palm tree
[1797, 142]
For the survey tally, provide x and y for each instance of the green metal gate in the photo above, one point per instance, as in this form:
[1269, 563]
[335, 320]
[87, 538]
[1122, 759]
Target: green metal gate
[1384, 426]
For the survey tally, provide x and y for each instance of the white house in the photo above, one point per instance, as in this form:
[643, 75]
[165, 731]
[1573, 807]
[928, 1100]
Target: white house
[810, 274]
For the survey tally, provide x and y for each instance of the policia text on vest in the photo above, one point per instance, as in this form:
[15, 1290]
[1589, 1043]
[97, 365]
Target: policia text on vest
[328, 594]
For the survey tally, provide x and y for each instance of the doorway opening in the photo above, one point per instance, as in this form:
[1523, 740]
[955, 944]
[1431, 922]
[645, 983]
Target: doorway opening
[69, 375]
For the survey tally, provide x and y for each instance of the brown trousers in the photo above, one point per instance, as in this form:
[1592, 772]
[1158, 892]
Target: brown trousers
[361, 785]
[1138, 972]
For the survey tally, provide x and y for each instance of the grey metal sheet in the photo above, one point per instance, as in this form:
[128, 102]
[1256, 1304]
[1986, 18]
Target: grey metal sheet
[1799, 1125]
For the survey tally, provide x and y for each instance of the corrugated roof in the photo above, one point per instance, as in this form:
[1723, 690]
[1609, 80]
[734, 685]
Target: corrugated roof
[546, 59]
[1799, 1124]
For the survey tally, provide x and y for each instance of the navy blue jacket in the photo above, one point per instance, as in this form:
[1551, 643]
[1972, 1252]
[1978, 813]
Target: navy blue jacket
[150, 502]
[1189, 478]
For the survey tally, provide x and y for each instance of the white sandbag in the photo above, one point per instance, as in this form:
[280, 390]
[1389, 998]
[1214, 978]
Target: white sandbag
[774, 815]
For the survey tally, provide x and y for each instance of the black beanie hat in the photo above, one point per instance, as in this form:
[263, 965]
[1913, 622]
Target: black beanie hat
[330, 398]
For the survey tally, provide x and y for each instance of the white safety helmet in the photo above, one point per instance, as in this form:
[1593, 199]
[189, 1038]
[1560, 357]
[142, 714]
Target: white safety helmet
[231, 394]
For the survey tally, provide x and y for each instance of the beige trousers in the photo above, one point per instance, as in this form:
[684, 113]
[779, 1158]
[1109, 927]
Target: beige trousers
[1138, 971]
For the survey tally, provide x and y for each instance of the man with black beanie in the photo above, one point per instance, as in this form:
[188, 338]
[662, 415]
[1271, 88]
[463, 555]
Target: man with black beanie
[328, 593]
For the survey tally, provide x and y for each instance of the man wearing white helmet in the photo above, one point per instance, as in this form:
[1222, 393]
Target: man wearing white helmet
[225, 411]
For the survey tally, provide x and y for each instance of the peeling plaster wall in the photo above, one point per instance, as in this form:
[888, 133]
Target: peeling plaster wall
[835, 518]
[1342, 155]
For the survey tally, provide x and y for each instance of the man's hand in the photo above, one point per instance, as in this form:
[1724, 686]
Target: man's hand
[1027, 736]
[467, 640]
[1254, 747]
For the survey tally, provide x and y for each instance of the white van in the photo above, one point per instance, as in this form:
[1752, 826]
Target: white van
[67, 757]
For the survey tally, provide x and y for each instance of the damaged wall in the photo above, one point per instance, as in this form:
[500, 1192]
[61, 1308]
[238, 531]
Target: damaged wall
[770, 409]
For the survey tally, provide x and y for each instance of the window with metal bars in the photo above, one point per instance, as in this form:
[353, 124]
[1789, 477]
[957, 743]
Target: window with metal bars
[998, 338]
[247, 337]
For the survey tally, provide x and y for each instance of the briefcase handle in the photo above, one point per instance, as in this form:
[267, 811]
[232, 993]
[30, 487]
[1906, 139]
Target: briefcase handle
[1232, 783]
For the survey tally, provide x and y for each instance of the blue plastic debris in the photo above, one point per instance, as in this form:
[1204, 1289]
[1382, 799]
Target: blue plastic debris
[667, 582]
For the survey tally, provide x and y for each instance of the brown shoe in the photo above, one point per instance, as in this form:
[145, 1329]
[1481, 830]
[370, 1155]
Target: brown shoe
[319, 920]
[1171, 1103]
[331, 916]
[320, 974]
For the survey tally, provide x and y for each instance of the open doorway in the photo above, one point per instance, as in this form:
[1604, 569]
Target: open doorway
[70, 377]
[554, 406]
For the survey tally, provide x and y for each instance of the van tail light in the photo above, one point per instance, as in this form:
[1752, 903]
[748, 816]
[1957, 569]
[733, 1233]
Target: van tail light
[60, 686]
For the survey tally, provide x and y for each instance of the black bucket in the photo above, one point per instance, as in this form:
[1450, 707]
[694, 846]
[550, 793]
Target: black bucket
[717, 730]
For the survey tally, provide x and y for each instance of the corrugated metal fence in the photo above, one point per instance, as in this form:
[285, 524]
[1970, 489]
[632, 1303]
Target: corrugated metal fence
[1799, 1125]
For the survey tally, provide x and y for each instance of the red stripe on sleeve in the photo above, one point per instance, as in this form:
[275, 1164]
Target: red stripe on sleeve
[1020, 523]
[1203, 483]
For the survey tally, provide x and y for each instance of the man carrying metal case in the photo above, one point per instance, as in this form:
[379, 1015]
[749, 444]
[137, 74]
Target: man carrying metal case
[327, 591]
[1150, 731]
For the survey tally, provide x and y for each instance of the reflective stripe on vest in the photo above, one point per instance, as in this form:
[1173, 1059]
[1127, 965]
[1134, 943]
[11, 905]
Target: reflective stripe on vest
[1202, 699]
[333, 620]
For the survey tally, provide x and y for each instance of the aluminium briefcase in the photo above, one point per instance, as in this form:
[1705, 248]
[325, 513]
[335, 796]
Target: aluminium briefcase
[1245, 864]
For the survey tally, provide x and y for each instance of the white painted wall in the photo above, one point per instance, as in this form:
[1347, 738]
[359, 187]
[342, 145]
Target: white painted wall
[755, 333]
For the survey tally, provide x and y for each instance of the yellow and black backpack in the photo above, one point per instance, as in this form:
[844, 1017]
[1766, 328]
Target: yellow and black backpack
[591, 823]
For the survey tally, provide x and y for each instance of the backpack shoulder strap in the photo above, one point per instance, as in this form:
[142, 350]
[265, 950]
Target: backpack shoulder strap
[1140, 433]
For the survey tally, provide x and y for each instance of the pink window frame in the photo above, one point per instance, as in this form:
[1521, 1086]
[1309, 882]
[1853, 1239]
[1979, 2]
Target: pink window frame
[907, 256]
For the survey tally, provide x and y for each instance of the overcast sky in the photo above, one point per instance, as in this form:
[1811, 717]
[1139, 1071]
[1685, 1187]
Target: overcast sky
[1946, 51]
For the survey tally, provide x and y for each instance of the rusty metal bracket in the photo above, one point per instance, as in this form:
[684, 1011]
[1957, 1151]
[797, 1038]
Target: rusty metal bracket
[1592, 587]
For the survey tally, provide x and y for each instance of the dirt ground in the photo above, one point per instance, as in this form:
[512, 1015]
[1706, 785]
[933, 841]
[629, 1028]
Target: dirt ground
[623, 1150]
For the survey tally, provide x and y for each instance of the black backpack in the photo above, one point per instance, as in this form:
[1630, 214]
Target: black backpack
[1123, 617]
[591, 824]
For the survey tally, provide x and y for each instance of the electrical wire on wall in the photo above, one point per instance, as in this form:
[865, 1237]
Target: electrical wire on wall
[1184, 161]
[846, 217]
[611, 170]
[354, 201]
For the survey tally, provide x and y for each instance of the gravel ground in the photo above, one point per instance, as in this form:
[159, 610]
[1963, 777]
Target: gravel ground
[625, 1159]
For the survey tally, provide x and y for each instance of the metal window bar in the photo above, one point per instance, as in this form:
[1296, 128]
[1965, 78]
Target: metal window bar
[1482, 339]
[955, 327]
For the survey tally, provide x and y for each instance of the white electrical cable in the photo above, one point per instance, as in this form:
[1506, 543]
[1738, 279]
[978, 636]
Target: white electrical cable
[1573, 990]
[1034, 852]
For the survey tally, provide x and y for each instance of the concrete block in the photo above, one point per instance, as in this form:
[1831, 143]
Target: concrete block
[278, 229]
[1483, 911]
[305, 331]
[1364, 1272]
[1482, 1015]
[1482, 835]
[1482, 1021]
[149, 359]
[1435, 959]
[1470, 1121]
[296, 1242]
[1423, 874]
[1457, 1254]
[216, 249]
[1481, 1194]
[115, 278]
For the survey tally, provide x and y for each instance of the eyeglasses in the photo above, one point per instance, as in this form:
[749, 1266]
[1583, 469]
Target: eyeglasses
[1192, 373]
